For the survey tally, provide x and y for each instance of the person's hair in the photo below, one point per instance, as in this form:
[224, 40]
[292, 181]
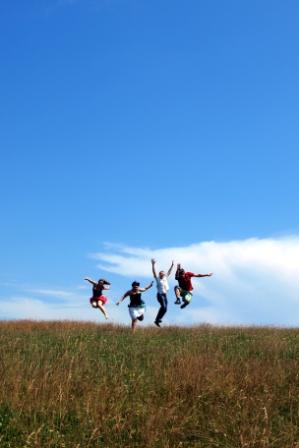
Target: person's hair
[135, 284]
[102, 280]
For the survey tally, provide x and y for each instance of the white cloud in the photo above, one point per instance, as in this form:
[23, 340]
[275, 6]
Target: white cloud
[60, 294]
[22, 307]
[256, 281]
[19, 307]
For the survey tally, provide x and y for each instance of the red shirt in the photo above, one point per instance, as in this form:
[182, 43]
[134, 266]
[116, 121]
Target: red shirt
[185, 281]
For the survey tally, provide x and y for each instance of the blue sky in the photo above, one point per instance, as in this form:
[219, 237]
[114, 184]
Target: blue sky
[151, 125]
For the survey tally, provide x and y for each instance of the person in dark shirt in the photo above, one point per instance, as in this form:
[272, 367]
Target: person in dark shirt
[184, 288]
[98, 300]
[136, 305]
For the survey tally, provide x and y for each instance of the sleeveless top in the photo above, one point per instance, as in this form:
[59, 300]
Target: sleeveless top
[136, 301]
[96, 291]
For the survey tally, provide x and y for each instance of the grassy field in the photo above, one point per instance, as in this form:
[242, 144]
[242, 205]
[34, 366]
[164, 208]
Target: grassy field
[84, 385]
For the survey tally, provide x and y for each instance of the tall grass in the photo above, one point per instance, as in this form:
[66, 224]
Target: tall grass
[82, 385]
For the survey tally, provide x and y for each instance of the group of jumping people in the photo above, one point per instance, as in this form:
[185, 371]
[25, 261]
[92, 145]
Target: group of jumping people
[183, 293]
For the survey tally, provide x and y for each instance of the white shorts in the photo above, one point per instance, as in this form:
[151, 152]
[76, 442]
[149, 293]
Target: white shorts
[136, 312]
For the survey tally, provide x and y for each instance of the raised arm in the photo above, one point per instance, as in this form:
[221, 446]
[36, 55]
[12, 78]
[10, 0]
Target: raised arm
[153, 268]
[89, 280]
[178, 268]
[170, 269]
[146, 287]
[126, 294]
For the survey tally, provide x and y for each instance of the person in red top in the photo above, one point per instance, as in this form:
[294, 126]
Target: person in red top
[184, 288]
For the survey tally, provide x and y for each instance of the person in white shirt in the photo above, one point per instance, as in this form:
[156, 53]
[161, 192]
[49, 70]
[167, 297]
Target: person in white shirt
[162, 288]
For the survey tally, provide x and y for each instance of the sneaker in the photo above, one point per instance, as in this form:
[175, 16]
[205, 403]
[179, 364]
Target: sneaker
[177, 302]
[157, 323]
[184, 305]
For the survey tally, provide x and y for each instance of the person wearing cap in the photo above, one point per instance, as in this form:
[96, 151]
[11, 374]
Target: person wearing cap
[184, 288]
[98, 300]
[136, 305]
[162, 288]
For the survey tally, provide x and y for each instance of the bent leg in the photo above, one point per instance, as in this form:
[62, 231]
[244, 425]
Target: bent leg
[185, 303]
[177, 291]
[187, 296]
[102, 309]
[93, 302]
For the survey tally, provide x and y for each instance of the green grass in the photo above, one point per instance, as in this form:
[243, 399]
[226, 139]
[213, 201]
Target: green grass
[85, 385]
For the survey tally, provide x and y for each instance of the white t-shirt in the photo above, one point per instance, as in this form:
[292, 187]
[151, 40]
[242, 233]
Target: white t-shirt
[162, 285]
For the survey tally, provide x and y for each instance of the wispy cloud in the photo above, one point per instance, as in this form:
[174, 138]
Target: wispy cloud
[22, 307]
[255, 280]
[24, 302]
[59, 294]
[27, 307]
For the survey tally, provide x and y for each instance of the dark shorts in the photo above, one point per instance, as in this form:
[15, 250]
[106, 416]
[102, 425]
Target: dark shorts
[186, 295]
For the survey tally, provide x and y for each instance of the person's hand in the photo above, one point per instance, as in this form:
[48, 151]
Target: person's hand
[117, 303]
[153, 261]
[210, 274]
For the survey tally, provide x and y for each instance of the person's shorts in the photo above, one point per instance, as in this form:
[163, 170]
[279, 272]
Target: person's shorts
[186, 295]
[94, 301]
[136, 312]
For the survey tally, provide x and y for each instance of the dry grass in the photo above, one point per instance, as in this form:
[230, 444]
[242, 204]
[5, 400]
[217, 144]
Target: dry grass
[84, 385]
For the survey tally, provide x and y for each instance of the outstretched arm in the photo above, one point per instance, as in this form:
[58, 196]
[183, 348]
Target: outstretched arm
[170, 269]
[149, 286]
[91, 281]
[146, 287]
[123, 297]
[153, 268]
[203, 275]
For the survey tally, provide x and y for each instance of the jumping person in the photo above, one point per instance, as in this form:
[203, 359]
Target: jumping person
[136, 305]
[162, 288]
[98, 300]
[184, 288]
